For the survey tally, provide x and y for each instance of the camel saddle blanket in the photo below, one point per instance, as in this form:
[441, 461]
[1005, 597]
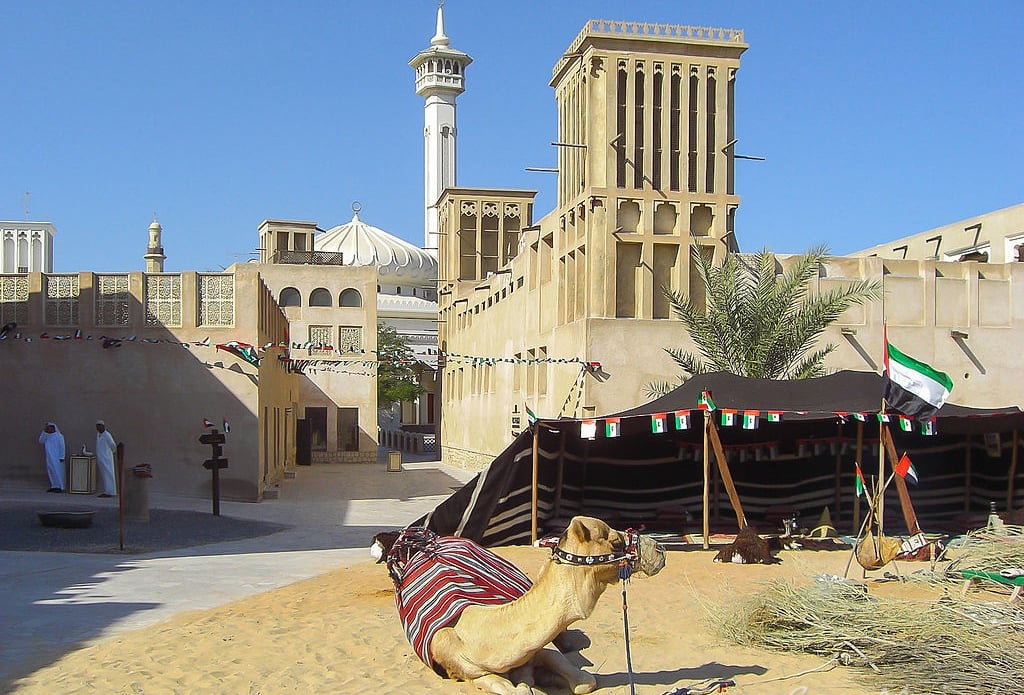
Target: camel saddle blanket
[437, 577]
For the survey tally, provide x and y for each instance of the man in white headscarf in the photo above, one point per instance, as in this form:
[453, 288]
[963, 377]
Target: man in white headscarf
[53, 446]
[105, 448]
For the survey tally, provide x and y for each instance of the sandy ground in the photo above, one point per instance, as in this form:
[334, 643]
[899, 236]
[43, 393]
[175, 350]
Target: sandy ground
[339, 633]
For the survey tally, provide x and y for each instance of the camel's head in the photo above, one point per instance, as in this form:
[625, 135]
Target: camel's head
[381, 545]
[591, 542]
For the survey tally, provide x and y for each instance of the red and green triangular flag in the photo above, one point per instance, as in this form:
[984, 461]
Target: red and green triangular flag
[682, 418]
[704, 401]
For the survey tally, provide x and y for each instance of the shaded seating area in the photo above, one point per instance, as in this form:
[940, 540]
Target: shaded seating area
[660, 465]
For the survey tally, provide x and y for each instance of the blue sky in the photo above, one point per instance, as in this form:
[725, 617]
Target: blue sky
[876, 119]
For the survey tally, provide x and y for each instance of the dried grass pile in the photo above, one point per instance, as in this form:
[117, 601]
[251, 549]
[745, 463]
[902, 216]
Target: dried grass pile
[925, 646]
[987, 550]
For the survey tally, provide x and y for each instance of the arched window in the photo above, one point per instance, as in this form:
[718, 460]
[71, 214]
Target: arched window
[350, 297]
[320, 297]
[290, 297]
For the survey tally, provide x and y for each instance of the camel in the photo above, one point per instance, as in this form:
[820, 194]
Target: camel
[502, 647]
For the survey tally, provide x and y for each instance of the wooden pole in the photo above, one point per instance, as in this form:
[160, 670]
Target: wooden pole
[120, 495]
[557, 503]
[967, 476]
[909, 515]
[723, 469]
[707, 475]
[533, 501]
[856, 497]
[1013, 474]
[879, 509]
[838, 496]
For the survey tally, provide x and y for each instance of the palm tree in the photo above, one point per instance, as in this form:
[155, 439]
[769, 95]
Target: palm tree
[759, 323]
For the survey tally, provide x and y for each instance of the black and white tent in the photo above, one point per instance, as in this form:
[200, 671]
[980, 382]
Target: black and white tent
[653, 474]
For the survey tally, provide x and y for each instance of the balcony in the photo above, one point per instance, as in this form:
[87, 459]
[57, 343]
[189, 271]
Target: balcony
[308, 258]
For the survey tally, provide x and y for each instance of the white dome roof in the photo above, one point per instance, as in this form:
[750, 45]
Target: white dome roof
[397, 261]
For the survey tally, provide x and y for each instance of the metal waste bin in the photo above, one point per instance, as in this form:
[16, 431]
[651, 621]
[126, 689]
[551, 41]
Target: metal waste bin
[394, 461]
[135, 488]
[82, 474]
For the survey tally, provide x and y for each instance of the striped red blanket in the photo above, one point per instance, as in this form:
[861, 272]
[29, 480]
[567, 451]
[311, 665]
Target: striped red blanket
[437, 577]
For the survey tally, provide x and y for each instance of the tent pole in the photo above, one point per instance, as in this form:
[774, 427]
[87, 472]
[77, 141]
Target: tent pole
[707, 473]
[879, 507]
[1013, 474]
[838, 499]
[856, 497]
[909, 515]
[533, 503]
[723, 469]
[561, 474]
[967, 476]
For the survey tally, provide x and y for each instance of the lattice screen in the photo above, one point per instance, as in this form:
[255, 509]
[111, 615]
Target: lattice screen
[13, 298]
[112, 297]
[61, 300]
[163, 300]
[217, 300]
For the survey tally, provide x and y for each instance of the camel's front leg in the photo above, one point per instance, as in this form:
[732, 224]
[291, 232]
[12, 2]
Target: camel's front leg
[579, 681]
[499, 685]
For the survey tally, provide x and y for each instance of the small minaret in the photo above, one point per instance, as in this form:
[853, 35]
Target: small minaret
[155, 252]
[440, 78]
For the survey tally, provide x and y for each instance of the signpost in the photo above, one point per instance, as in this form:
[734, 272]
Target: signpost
[215, 439]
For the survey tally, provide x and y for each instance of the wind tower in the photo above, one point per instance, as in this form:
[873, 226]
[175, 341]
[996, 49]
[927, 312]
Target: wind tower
[440, 79]
[155, 251]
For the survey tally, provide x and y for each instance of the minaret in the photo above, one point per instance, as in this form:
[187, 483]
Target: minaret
[440, 78]
[155, 252]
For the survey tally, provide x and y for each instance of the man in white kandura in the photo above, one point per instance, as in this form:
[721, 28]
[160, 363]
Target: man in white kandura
[105, 448]
[53, 446]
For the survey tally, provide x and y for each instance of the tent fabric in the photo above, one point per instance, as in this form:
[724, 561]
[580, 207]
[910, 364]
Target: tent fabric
[641, 475]
[817, 399]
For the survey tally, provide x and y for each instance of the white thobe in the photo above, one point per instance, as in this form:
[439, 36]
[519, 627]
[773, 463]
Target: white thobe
[53, 446]
[105, 448]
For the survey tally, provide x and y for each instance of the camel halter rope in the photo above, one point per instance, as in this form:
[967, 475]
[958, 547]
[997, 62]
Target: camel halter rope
[625, 559]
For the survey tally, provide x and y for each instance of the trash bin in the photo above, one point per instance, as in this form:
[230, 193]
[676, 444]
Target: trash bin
[394, 461]
[82, 475]
[136, 492]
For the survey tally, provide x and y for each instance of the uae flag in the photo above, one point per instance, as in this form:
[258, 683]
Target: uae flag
[728, 418]
[659, 421]
[750, 419]
[611, 427]
[227, 427]
[704, 401]
[913, 387]
[531, 417]
[906, 469]
[861, 487]
[682, 418]
[588, 428]
[774, 416]
[207, 423]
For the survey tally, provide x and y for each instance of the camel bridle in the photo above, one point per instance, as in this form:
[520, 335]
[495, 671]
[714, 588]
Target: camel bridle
[627, 557]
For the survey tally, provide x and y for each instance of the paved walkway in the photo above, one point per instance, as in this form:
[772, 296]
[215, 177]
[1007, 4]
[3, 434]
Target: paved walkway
[56, 602]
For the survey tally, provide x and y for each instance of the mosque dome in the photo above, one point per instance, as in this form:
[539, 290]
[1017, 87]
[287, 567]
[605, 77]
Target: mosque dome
[397, 261]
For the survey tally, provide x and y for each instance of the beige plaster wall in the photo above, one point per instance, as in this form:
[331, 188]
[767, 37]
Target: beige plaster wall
[333, 378]
[153, 394]
[999, 234]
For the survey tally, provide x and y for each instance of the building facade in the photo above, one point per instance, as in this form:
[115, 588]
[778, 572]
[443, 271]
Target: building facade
[566, 316]
[153, 355]
[26, 247]
[646, 128]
